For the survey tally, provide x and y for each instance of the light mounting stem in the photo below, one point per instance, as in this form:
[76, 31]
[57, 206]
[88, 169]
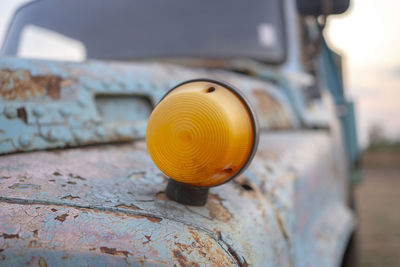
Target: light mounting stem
[187, 194]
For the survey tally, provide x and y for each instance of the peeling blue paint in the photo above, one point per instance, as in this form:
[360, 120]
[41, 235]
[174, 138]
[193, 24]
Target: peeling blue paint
[69, 113]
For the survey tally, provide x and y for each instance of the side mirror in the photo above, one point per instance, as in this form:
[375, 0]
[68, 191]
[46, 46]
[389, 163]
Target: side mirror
[322, 7]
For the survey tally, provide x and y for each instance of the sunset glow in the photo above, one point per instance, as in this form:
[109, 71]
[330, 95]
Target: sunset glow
[368, 36]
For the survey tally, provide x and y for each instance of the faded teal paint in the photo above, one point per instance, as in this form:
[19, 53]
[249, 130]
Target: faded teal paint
[71, 117]
[275, 212]
[116, 196]
[333, 78]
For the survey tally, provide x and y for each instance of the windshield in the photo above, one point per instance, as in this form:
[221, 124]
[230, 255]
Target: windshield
[127, 29]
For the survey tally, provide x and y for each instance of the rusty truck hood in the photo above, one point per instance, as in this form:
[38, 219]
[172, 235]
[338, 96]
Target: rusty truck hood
[105, 205]
[48, 104]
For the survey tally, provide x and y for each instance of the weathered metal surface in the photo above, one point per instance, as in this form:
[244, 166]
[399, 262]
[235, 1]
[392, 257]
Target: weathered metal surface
[71, 236]
[105, 205]
[47, 104]
[20, 85]
[333, 79]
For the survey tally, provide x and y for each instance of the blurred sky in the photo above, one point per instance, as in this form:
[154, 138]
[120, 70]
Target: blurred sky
[368, 35]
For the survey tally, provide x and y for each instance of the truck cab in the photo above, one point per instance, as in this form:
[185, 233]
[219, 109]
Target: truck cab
[78, 186]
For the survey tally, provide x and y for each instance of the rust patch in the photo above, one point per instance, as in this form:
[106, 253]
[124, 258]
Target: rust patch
[61, 218]
[71, 182]
[130, 207]
[184, 247]
[57, 174]
[207, 250]
[20, 84]
[77, 177]
[161, 195]
[217, 197]
[32, 244]
[123, 215]
[217, 210]
[182, 260]
[264, 98]
[21, 113]
[92, 249]
[52, 85]
[154, 219]
[69, 197]
[195, 235]
[151, 218]
[148, 237]
[271, 110]
[53, 210]
[234, 254]
[237, 259]
[282, 227]
[114, 251]
[11, 236]
[137, 174]
[218, 233]
[42, 262]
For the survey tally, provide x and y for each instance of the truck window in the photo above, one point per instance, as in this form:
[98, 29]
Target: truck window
[126, 29]
[37, 42]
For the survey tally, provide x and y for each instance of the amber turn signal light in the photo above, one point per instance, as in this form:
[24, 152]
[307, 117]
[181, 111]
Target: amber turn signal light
[201, 134]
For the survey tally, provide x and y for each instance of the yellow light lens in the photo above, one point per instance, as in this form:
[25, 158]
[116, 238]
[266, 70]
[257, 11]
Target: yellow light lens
[200, 134]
